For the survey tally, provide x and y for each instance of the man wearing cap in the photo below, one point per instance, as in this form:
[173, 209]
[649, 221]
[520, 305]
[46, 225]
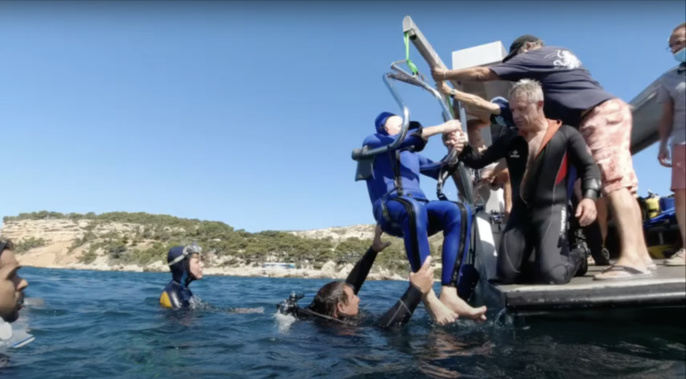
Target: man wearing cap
[605, 121]
[185, 265]
[402, 209]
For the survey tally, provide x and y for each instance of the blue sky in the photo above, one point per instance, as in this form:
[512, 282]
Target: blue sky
[247, 112]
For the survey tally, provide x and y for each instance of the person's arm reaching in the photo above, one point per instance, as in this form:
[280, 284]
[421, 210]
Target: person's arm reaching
[588, 172]
[489, 175]
[421, 283]
[416, 139]
[474, 74]
[474, 159]
[428, 167]
[665, 124]
[446, 127]
[474, 105]
[359, 273]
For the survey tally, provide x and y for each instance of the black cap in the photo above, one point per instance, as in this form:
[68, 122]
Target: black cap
[518, 43]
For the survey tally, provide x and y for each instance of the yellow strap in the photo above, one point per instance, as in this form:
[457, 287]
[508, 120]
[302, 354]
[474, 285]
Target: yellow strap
[164, 300]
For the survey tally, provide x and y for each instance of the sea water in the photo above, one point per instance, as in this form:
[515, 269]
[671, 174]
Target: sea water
[110, 325]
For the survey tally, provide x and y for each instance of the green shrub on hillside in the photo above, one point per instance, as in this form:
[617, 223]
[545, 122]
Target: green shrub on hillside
[215, 237]
[28, 244]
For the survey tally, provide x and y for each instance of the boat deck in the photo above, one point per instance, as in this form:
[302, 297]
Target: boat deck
[665, 288]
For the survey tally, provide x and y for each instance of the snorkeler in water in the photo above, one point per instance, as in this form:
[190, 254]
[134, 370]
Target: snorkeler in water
[337, 301]
[11, 298]
[186, 266]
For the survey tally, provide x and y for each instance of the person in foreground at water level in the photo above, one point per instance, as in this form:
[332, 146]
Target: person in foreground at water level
[185, 264]
[11, 284]
[605, 122]
[11, 301]
[539, 155]
[337, 301]
[402, 209]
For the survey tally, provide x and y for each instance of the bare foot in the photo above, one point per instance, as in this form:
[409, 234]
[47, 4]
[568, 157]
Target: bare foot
[439, 312]
[456, 304]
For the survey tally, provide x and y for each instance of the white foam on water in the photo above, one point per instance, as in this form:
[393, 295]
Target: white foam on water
[247, 310]
[284, 322]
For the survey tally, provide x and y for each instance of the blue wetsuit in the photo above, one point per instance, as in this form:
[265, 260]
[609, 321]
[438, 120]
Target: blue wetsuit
[177, 294]
[503, 119]
[401, 207]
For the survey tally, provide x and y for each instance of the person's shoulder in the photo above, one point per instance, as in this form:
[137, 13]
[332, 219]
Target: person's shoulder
[568, 130]
[670, 76]
[372, 138]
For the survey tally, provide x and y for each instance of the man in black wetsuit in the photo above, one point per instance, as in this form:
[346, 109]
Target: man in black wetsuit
[540, 188]
[337, 301]
[497, 112]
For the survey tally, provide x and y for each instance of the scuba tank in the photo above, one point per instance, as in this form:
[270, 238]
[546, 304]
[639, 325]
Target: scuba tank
[652, 205]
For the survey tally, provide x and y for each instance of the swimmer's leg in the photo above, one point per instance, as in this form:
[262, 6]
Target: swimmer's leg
[411, 217]
[446, 216]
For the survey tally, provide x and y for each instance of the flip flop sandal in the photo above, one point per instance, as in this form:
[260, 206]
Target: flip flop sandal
[628, 273]
[652, 266]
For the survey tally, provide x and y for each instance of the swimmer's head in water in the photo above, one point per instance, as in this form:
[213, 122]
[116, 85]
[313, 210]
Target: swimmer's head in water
[185, 263]
[336, 299]
[11, 284]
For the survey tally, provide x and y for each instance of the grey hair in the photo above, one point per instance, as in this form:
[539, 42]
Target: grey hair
[529, 88]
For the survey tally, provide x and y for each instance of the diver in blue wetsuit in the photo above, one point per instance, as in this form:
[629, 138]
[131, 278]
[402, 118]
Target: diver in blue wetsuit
[402, 209]
[186, 266]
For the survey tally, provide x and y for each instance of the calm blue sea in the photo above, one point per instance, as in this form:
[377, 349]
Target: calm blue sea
[109, 325]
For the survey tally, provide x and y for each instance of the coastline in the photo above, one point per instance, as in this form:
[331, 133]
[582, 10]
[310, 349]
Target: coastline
[87, 244]
[328, 271]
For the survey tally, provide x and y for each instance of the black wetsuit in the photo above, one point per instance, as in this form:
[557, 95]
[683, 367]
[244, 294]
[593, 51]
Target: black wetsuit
[538, 220]
[398, 315]
[177, 294]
